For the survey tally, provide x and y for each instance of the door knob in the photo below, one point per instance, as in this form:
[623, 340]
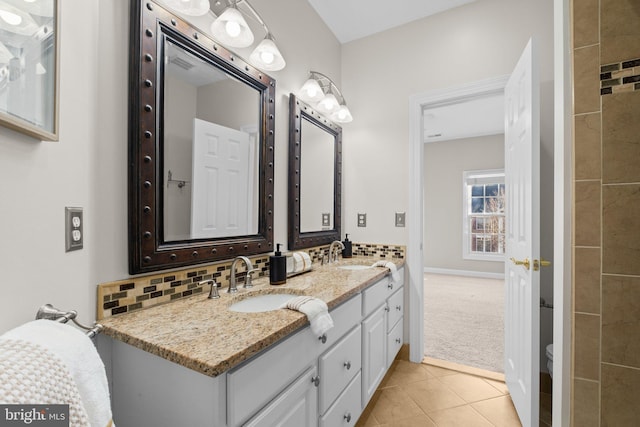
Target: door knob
[525, 263]
[542, 263]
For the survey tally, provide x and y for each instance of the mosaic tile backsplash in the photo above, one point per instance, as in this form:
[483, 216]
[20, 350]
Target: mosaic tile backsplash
[620, 77]
[128, 295]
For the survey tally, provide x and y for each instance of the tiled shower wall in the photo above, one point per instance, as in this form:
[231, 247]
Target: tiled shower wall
[606, 282]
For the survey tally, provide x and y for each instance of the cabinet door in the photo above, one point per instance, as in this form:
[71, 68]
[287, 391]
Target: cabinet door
[296, 406]
[374, 352]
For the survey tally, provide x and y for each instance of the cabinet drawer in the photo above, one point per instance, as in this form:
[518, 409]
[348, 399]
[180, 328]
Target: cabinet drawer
[338, 366]
[394, 342]
[375, 295]
[345, 317]
[396, 308]
[347, 409]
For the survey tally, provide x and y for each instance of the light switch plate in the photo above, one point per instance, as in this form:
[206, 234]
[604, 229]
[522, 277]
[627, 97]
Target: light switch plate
[326, 219]
[73, 229]
[362, 220]
[400, 219]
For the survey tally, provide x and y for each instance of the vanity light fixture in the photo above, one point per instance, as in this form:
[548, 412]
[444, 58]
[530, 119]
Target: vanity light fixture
[231, 29]
[323, 92]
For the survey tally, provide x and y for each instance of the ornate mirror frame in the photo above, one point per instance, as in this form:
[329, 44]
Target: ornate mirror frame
[150, 25]
[299, 111]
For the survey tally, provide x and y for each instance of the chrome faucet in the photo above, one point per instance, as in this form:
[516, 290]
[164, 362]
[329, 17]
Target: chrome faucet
[232, 282]
[333, 255]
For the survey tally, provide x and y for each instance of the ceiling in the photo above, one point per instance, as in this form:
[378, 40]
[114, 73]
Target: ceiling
[353, 19]
[475, 117]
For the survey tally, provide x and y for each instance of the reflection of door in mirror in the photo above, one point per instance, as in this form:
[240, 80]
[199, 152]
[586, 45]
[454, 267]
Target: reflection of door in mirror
[206, 144]
[223, 182]
[316, 178]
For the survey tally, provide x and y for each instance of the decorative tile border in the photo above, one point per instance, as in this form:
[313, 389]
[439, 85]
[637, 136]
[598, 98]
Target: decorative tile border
[620, 77]
[125, 296]
[128, 295]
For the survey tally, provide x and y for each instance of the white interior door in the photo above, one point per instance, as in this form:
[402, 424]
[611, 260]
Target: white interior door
[221, 183]
[522, 278]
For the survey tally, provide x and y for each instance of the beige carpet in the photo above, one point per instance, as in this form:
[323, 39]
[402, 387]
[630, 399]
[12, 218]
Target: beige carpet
[464, 320]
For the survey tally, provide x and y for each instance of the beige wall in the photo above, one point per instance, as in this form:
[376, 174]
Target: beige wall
[444, 164]
[606, 283]
[470, 43]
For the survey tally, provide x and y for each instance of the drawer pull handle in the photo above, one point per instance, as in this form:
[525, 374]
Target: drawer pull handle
[323, 338]
[316, 380]
[398, 340]
[390, 285]
[399, 307]
[347, 417]
[347, 365]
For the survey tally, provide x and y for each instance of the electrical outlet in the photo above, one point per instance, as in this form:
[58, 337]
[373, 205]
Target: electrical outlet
[362, 220]
[73, 225]
[400, 219]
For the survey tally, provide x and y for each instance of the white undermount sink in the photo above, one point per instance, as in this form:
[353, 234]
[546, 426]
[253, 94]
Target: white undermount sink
[354, 267]
[261, 303]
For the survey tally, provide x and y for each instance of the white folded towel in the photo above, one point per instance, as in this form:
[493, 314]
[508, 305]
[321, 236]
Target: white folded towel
[391, 266]
[81, 357]
[316, 310]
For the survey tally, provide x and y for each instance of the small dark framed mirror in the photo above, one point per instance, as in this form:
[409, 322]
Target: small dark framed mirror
[315, 177]
[201, 147]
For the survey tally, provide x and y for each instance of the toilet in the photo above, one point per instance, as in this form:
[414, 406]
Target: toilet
[549, 352]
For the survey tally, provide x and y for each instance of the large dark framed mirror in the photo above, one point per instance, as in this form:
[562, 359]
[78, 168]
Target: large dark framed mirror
[315, 177]
[200, 147]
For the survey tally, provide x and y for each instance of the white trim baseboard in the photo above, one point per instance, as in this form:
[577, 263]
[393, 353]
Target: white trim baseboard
[467, 273]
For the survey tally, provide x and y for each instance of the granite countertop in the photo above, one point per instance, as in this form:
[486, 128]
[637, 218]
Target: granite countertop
[203, 335]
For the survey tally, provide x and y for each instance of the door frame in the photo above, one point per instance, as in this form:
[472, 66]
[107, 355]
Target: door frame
[563, 144]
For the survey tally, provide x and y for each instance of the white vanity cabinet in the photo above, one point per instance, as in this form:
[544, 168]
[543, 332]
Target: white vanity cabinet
[261, 384]
[303, 380]
[382, 331]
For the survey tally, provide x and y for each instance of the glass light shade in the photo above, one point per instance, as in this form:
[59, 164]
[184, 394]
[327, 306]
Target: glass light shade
[16, 21]
[328, 104]
[266, 56]
[231, 29]
[189, 7]
[311, 91]
[342, 115]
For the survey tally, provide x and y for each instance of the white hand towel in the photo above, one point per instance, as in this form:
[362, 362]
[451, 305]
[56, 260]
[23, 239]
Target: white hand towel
[392, 268]
[81, 357]
[316, 310]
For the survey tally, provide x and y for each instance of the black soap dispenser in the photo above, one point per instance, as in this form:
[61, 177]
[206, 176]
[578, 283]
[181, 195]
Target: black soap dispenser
[347, 252]
[277, 267]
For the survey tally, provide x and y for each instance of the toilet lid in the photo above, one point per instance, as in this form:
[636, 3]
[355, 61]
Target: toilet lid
[550, 351]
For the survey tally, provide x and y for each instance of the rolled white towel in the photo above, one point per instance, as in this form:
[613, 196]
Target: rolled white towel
[316, 311]
[392, 268]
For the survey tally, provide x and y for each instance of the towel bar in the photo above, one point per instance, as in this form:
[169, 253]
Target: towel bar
[49, 312]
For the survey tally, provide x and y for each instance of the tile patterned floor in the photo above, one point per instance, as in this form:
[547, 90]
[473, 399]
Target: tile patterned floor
[421, 395]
